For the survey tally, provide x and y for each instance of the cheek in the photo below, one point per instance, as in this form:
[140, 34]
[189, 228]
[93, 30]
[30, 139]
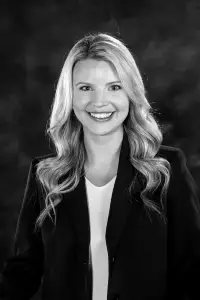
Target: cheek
[123, 104]
[80, 101]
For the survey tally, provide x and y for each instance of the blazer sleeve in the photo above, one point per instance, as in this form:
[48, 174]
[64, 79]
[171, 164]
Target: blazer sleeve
[184, 229]
[23, 269]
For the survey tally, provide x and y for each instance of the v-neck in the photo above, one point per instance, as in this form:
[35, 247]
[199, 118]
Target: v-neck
[103, 186]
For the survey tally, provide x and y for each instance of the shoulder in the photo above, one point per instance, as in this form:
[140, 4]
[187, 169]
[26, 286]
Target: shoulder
[43, 157]
[172, 154]
[178, 162]
[179, 167]
[35, 160]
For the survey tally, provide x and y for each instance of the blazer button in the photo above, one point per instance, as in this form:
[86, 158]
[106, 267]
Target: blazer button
[113, 259]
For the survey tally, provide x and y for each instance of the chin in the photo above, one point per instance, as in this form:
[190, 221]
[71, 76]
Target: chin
[101, 131]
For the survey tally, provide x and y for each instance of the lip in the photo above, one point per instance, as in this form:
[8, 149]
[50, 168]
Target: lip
[102, 120]
[102, 112]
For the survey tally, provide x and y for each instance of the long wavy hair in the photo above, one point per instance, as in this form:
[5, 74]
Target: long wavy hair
[65, 130]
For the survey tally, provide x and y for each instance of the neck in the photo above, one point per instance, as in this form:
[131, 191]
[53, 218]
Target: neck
[103, 149]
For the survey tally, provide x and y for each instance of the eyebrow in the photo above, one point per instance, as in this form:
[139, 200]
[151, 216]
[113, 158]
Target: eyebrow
[108, 83]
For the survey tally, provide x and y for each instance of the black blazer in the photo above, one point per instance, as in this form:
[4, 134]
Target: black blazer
[149, 257]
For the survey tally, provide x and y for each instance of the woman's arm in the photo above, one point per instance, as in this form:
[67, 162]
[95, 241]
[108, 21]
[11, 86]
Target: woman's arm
[22, 272]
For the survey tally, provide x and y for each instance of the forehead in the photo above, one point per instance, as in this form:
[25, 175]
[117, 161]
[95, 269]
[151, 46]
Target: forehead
[91, 68]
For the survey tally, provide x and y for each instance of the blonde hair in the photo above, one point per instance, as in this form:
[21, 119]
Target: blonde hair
[144, 134]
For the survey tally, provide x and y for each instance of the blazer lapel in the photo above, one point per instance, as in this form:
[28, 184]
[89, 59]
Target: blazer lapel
[121, 205]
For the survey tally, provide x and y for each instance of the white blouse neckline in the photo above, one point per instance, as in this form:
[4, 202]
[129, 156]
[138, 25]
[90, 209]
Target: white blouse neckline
[103, 186]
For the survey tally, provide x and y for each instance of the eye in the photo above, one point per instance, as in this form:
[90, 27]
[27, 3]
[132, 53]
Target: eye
[84, 88]
[116, 87]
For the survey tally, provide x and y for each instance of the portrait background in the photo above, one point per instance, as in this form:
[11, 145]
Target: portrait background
[164, 37]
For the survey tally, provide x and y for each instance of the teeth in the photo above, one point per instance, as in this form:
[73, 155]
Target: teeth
[101, 116]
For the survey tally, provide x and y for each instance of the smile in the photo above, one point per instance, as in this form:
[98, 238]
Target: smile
[101, 117]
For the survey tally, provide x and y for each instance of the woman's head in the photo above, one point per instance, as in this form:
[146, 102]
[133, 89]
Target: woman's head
[98, 59]
[97, 89]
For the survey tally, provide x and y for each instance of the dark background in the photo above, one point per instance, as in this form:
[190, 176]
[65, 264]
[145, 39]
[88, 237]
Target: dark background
[164, 37]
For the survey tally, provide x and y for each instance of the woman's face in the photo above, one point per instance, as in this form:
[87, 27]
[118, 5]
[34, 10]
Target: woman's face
[97, 88]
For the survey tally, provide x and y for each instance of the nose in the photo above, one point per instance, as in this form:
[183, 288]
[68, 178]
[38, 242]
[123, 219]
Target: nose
[100, 98]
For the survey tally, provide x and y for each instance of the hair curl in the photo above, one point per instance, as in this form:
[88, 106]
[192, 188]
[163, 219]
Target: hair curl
[144, 132]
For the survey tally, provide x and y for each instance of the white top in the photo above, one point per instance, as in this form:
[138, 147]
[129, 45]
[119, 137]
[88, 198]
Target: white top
[99, 204]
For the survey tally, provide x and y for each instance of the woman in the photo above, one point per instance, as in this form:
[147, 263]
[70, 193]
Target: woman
[112, 214]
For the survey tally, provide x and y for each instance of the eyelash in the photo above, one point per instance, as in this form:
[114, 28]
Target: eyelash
[119, 87]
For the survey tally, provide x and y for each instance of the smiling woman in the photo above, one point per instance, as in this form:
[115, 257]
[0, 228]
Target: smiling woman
[102, 97]
[111, 214]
